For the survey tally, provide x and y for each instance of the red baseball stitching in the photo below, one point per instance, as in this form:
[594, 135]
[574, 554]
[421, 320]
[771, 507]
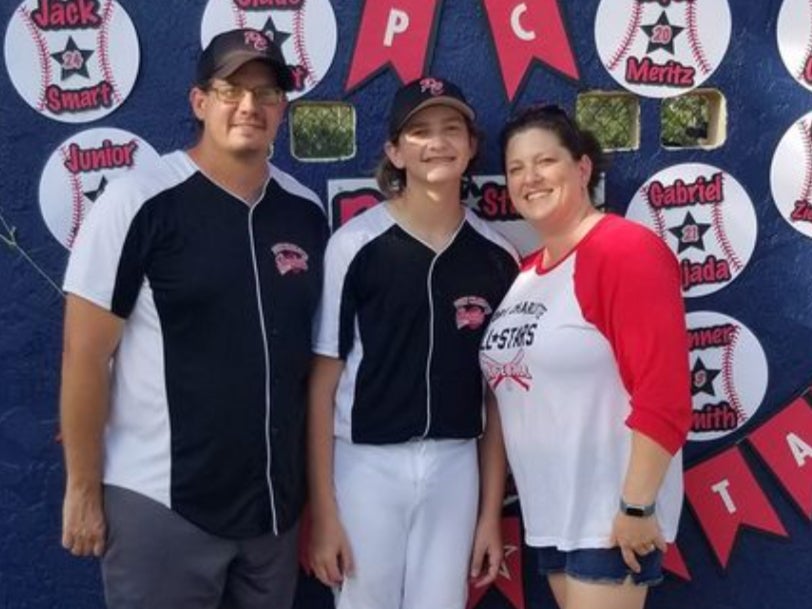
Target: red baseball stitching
[727, 376]
[104, 56]
[799, 75]
[42, 53]
[807, 143]
[239, 16]
[77, 201]
[697, 51]
[656, 214]
[628, 38]
[301, 47]
[721, 235]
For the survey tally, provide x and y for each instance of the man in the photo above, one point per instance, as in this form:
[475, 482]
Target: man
[191, 294]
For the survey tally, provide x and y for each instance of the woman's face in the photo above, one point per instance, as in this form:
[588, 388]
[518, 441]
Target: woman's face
[546, 184]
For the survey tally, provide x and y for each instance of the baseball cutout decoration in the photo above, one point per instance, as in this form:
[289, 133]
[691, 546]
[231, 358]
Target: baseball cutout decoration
[78, 172]
[305, 30]
[662, 48]
[794, 33]
[705, 216]
[729, 374]
[791, 175]
[72, 60]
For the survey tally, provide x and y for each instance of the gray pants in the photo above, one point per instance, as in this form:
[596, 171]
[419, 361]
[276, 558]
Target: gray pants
[156, 559]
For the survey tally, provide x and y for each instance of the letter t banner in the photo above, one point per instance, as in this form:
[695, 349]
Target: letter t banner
[397, 33]
[785, 444]
[724, 496]
[525, 30]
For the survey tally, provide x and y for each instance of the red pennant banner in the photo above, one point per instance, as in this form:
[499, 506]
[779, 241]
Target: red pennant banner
[395, 33]
[525, 31]
[509, 580]
[785, 444]
[673, 562]
[725, 496]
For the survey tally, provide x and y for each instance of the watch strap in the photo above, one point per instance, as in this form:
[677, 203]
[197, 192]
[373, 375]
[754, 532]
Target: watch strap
[637, 510]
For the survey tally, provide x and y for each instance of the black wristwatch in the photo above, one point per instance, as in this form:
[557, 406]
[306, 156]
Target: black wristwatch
[636, 510]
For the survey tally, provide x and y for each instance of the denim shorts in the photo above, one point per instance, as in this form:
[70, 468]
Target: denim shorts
[600, 565]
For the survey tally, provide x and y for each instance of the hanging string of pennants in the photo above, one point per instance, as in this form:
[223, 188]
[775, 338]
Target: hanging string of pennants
[722, 493]
[399, 34]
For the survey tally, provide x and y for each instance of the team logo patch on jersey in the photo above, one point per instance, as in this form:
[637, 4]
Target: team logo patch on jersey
[289, 258]
[514, 370]
[471, 312]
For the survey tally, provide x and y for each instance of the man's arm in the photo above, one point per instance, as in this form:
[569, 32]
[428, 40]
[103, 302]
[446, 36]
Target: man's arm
[90, 339]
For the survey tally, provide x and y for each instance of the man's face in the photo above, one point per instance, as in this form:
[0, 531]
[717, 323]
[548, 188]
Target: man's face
[242, 113]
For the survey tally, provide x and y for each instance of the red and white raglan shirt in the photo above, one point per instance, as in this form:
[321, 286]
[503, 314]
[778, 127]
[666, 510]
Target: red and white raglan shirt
[579, 355]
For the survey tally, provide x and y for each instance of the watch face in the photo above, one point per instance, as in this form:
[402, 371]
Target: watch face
[635, 511]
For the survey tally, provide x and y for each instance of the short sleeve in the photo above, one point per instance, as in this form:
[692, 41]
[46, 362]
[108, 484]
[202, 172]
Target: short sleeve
[107, 261]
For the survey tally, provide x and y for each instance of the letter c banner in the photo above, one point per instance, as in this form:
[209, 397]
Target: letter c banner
[525, 31]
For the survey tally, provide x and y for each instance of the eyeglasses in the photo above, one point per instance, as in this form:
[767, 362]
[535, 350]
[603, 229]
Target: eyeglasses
[233, 94]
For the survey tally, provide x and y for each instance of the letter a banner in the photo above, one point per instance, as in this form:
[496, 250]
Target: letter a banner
[724, 496]
[785, 444]
[525, 31]
[397, 33]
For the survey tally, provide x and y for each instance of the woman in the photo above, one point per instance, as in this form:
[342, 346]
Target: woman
[588, 358]
[396, 392]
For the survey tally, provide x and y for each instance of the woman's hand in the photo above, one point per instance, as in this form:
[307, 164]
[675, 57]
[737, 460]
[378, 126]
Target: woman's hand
[636, 537]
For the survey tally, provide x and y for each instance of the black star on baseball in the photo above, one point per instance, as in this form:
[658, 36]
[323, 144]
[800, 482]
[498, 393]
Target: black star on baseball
[279, 37]
[661, 34]
[690, 234]
[92, 195]
[72, 60]
[702, 378]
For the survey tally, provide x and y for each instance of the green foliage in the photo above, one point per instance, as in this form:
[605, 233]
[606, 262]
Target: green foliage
[685, 121]
[612, 118]
[322, 131]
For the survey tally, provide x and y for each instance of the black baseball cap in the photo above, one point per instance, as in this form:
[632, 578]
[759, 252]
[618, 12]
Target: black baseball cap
[229, 51]
[422, 93]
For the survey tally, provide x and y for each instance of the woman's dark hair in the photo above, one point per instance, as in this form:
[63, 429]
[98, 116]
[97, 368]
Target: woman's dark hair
[577, 141]
[392, 181]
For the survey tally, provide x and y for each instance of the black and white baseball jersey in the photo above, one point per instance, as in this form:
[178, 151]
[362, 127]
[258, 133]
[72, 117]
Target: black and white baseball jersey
[209, 381]
[408, 320]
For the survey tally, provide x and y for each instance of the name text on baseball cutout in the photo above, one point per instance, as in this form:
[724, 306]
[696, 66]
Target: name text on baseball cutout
[711, 270]
[715, 417]
[262, 5]
[300, 74]
[802, 211]
[663, 3]
[701, 191]
[669, 74]
[807, 74]
[59, 100]
[66, 14]
[106, 156]
[711, 336]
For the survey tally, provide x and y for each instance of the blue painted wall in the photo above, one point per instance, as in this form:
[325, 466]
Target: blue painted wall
[773, 297]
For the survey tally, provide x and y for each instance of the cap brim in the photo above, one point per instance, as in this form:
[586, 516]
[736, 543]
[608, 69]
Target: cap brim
[284, 77]
[441, 100]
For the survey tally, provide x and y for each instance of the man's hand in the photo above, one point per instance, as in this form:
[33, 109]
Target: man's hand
[83, 525]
